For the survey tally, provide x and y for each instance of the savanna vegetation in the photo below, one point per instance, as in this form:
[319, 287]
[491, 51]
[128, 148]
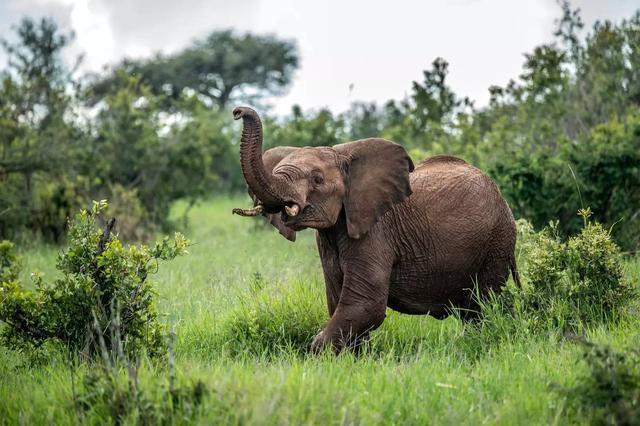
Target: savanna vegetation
[215, 327]
[241, 333]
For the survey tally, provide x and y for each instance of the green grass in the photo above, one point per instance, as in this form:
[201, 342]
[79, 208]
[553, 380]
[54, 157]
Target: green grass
[245, 303]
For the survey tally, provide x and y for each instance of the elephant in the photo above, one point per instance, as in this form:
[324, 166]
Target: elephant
[433, 238]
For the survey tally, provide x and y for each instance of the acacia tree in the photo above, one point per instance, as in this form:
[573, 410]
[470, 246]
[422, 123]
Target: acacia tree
[222, 66]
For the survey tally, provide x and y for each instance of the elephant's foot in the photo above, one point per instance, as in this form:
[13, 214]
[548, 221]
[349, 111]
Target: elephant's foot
[319, 343]
[342, 342]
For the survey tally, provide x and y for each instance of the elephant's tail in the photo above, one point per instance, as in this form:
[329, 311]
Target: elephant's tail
[514, 271]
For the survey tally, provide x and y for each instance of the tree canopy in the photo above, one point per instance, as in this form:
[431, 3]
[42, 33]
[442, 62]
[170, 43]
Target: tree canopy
[223, 66]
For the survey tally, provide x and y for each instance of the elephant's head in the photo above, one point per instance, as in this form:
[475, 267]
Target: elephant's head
[299, 188]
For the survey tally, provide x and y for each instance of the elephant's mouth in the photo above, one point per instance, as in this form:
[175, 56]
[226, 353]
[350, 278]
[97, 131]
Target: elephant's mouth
[294, 217]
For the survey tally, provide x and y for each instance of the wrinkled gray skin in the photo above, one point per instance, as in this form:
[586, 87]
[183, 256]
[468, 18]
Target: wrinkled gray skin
[416, 240]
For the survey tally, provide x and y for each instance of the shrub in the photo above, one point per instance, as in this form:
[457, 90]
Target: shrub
[575, 282]
[101, 278]
[53, 202]
[566, 285]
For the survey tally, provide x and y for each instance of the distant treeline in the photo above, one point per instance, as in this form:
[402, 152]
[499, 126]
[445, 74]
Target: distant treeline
[564, 135]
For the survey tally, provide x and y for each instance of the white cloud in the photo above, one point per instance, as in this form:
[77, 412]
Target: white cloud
[94, 34]
[378, 46]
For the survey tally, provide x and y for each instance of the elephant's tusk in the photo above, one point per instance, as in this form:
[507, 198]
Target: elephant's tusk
[293, 210]
[255, 211]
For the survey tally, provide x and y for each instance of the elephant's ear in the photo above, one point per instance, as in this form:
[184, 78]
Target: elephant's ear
[271, 158]
[377, 177]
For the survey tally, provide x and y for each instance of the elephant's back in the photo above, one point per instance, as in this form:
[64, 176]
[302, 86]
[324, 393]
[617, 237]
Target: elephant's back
[439, 160]
[460, 208]
[445, 184]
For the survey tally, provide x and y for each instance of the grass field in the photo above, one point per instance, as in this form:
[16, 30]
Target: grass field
[245, 303]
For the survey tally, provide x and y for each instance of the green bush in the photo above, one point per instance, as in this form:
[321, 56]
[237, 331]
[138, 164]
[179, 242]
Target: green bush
[100, 280]
[53, 202]
[575, 282]
[566, 285]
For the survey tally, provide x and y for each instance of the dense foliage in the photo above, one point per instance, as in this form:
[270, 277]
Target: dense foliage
[65, 140]
[102, 299]
[562, 136]
[9, 263]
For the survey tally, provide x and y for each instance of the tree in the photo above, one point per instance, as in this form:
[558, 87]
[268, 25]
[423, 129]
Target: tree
[424, 120]
[34, 98]
[364, 120]
[223, 66]
[433, 100]
[135, 153]
[562, 137]
[35, 133]
[319, 128]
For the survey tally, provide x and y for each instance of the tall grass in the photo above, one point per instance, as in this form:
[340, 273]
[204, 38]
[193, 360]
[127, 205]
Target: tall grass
[245, 304]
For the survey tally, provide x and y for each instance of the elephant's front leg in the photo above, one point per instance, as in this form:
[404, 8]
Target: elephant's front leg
[361, 307]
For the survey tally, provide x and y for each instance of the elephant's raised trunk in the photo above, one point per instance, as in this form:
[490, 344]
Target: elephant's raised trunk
[258, 179]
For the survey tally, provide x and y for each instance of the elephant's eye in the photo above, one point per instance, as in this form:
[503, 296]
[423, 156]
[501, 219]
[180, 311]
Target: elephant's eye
[318, 179]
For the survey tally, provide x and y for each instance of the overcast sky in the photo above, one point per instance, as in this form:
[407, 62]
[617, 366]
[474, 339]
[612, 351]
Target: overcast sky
[379, 47]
